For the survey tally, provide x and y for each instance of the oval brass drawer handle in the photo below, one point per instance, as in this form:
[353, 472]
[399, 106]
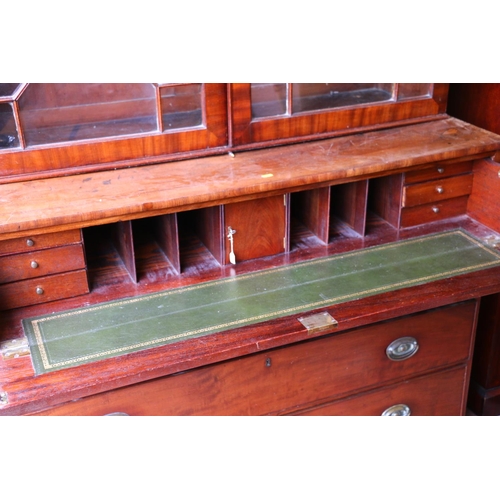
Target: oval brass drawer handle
[402, 348]
[399, 410]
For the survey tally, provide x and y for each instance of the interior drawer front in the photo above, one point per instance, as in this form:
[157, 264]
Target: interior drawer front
[422, 214]
[437, 172]
[296, 375]
[432, 395]
[259, 225]
[40, 241]
[44, 262]
[45, 289]
[435, 191]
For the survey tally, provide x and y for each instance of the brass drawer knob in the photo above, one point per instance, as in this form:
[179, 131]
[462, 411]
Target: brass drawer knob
[30, 242]
[39, 290]
[402, 348]
[399, 410]
[440, 170]
[34, 264]
[435, 210]
[440, 189]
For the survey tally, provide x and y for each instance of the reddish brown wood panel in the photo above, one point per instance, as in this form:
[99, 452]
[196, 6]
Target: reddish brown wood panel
[485, 368]
[43, 262]
[167, 235]
[51, 205]
[432, 212]
[311, 208]
[477, 103]
[433, 395]
[484, 201]
[207, 224]
[260, 227]
[40, 241]
[123, 239]
[349, 203]
[43, 289]
[438, 171]
[385, 197]
[437, 190]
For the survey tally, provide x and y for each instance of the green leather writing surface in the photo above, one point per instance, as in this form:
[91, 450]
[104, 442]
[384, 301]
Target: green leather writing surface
[110, 329]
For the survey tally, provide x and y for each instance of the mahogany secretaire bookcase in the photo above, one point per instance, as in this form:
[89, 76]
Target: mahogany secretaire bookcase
[242, 249]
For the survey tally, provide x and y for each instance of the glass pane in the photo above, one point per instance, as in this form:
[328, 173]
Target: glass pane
[181, 106]
[8, 132]
[316, 96]
[268, 99]
[409, 90]
[7, 89]
[56, 112]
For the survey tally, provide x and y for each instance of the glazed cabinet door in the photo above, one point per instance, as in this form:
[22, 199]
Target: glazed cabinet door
[264, 112]
[53, 126]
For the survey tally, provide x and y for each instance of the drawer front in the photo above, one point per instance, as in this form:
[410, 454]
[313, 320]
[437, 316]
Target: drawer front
[435, 191]
[437, 172]
[432, 212]
[297, 375]
[259, 225]
[44, 262]
[40, 241]
[432, 395]
[45, 289]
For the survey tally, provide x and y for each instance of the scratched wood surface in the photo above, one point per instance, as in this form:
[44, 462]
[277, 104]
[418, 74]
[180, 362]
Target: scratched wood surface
[49, 205]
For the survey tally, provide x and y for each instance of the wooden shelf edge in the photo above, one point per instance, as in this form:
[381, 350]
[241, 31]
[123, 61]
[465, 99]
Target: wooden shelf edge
[49, 205]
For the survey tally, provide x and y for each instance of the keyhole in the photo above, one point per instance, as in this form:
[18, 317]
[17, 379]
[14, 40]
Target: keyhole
[268, 362]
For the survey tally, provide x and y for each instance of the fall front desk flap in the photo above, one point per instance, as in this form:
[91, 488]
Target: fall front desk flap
[118, 327]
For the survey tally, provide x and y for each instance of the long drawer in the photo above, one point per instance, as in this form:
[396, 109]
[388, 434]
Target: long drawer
[431, 395]
[299, 375]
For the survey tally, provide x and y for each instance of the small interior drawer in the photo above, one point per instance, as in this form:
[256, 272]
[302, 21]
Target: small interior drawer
[437, 190]
[40, 241]
[431, 212]
[45, 289]
[437, 172]
[44, 262]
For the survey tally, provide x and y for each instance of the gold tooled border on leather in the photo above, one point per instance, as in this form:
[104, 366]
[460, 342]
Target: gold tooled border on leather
[47, 365]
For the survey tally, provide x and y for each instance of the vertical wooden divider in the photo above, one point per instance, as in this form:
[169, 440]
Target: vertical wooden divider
[385, 198]
[349, 204]
[209, 228]
[312, 208]
[124, 244]
[167, 236]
